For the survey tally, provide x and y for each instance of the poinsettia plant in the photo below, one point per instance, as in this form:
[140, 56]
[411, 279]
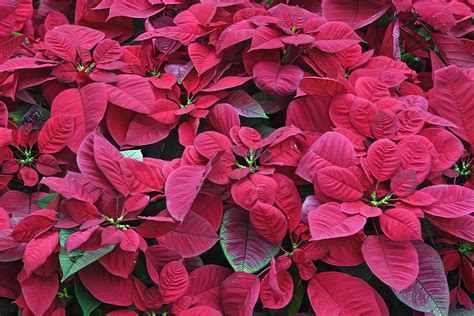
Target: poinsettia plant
[237, 157]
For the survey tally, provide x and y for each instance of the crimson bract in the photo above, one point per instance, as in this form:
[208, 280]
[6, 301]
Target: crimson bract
[237, 157]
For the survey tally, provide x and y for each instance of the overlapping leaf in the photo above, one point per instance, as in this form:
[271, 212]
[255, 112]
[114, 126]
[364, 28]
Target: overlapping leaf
[243, 247]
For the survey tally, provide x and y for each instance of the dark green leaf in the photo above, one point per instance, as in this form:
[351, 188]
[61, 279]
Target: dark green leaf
[298, 295]
[264, 130]
[43, 203]
[46, 113]
[87, 301]
[361, 271]
[295, 304]
[461, 312]
[17, 115]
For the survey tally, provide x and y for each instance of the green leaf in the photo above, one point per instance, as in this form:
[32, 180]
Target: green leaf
[261, 125]
[133, 154]
[249, 107]
[264, 130]
[43, 203]
[270, 103]
[361, 271]
[262, 97]
[243, 247]
[87, 301]
[17, 115]
[98, 312]
[64, 234]
[298, 295]
[46, 113]
[461, 312]
[140, 271]
[172, 148]
[76, 260]
[295, 304]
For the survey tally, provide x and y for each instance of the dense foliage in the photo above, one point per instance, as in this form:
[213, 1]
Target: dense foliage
[229, 157]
